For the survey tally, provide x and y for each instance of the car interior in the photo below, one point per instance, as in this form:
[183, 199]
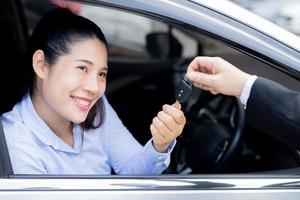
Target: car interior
[143, 77]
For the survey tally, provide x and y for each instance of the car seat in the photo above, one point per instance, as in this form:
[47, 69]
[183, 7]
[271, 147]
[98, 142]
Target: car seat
[163, 45]
[13, 42]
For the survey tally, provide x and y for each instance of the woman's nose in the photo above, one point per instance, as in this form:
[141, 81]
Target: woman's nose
[91, 84]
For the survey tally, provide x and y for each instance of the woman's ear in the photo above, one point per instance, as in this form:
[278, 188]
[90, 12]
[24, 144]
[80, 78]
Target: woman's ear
[39, 64]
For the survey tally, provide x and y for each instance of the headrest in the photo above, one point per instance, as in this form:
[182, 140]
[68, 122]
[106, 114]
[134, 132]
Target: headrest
[163, 45]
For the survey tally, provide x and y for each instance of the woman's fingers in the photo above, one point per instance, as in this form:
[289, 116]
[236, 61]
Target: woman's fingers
[175, 113]
[161, 127]
[156, 134]
[167, 125]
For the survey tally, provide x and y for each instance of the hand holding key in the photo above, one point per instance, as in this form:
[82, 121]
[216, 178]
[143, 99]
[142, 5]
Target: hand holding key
[169, 122]
[167, 126]
[217, 76]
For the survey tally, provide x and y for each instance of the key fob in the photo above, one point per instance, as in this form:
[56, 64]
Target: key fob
[183, 90]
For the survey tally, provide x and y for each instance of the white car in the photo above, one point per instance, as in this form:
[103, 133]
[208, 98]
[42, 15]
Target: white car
[219, 155]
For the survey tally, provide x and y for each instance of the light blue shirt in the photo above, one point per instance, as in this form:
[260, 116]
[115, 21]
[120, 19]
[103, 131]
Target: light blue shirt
[35, 149]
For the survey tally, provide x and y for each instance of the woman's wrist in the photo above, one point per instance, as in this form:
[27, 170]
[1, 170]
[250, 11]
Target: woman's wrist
[160, 148]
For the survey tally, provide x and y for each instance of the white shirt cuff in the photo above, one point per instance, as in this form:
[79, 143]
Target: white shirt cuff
[247, 89]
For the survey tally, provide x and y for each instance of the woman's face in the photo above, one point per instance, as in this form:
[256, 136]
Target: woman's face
[76, 81]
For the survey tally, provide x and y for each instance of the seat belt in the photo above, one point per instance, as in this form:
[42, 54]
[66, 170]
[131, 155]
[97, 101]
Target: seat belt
[5, 163]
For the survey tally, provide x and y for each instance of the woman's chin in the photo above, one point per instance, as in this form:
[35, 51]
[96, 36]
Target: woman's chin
[77, 120]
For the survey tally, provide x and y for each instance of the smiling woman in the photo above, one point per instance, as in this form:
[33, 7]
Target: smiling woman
[64, 123]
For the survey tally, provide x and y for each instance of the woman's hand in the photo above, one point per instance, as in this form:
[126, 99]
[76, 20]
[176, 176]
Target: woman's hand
[167, 126]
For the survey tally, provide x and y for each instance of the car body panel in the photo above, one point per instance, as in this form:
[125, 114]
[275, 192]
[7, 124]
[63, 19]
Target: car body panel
[175, 187]
[150, 195]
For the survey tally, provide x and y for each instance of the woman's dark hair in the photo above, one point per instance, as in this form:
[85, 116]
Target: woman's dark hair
[55, 34]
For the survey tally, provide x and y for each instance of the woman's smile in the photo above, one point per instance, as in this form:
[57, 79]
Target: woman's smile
[82, 102]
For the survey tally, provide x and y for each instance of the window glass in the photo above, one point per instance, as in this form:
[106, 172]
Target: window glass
[126, 33]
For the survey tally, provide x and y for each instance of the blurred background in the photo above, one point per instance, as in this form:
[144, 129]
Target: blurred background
[285, 13]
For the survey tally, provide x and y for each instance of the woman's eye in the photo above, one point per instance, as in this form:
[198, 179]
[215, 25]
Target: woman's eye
[83, 68]
[103, 74]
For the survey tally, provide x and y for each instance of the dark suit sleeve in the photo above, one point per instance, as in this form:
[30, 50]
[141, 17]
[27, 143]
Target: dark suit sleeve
[275, 110]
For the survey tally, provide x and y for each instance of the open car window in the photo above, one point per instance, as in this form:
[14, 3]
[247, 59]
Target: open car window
[148, 57]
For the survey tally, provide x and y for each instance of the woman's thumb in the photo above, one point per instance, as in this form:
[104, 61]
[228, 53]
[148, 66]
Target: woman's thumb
[177, 105]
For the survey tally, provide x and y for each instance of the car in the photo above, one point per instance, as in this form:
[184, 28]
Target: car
[219, 154]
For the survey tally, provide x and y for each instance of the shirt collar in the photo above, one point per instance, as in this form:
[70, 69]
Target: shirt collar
[42, 131]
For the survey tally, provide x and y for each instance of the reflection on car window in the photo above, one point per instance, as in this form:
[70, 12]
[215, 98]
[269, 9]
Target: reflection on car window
[125, 32]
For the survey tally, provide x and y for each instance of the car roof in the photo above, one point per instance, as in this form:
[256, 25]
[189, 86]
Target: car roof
[244, 16]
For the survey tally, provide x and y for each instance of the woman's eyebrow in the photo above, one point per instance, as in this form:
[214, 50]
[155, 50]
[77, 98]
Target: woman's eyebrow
[86, 61]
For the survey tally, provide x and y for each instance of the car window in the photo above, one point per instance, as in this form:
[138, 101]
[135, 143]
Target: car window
[147, 59]
[125, 32]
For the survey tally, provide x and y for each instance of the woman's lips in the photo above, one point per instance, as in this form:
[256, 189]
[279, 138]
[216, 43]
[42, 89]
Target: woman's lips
[82, 103]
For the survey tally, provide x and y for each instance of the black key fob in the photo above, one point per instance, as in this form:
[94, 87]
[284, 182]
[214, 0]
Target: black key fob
[183, 90]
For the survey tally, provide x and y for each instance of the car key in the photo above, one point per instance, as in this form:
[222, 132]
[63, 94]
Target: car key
[183, 90]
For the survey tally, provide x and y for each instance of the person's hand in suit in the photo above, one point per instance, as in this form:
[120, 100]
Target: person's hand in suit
[279, 117]
[217, 76]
